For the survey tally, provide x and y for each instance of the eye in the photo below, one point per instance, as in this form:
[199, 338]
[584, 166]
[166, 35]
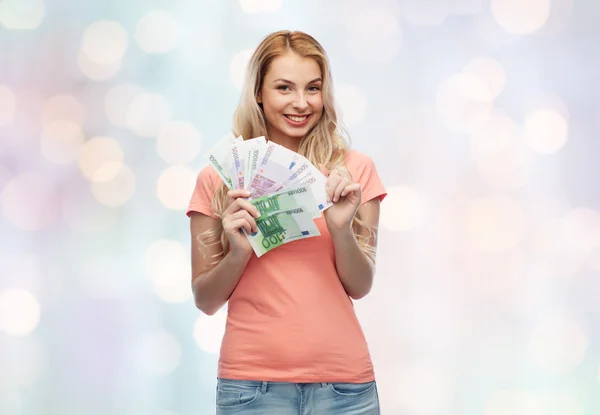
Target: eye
[314, 88]
[283, 87]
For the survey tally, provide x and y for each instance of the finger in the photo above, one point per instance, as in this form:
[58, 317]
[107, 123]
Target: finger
[239, 224]
[236, 193]
[242, 214]
[353, 187]
[331, 184]
[339, 189]
[241, 204]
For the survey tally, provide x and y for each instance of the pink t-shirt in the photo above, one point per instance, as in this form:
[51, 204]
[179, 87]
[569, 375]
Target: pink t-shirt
[289, 319]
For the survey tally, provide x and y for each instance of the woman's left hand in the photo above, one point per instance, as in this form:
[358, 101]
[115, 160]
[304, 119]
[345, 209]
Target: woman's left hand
[346, 197]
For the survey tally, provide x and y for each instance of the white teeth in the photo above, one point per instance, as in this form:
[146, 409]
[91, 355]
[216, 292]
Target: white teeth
[297, 119]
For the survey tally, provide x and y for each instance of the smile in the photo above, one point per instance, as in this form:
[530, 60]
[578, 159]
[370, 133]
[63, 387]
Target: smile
[297, 118]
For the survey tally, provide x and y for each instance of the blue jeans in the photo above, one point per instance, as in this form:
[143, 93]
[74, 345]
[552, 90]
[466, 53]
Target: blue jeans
[281, 398]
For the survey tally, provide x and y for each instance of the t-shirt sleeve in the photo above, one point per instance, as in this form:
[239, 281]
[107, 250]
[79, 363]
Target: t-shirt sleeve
[363, 171]
[203, 193]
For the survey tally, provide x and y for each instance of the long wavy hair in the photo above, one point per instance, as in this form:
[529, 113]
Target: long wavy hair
[324, 144]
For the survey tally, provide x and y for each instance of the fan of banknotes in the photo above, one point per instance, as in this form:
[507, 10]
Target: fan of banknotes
[286, 188]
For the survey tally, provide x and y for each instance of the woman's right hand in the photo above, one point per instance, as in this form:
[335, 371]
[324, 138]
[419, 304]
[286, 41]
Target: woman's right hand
[239, 214]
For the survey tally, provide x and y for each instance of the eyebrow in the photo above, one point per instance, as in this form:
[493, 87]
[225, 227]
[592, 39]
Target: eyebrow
[291, 83]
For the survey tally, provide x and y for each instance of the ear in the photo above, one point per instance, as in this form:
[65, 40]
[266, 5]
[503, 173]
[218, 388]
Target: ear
[259, 98]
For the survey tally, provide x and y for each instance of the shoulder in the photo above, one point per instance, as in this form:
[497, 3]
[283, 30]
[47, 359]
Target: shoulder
[356, 161]
[208, 176]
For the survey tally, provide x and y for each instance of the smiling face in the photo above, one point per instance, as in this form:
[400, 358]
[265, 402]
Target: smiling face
[291, 98]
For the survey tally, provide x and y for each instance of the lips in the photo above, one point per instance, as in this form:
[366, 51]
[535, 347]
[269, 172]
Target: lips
[297, 118]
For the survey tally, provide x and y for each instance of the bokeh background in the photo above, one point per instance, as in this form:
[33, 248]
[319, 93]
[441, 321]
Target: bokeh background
[482, 117]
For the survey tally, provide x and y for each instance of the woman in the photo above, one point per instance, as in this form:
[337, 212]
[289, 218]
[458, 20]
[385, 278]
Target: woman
[292, 342]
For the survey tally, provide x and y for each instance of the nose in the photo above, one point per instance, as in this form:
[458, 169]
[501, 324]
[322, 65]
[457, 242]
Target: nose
[300, 103]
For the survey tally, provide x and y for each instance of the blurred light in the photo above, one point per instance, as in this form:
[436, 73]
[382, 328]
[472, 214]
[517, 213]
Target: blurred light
[5, 176]
[115, 192]
[22, 14]
[157, 32]
[148, 114]
[465, 7]
[553, 253]
[261, 6]
[521, 17]
[558, 344]
[238, 66]
[402, 209]
[490, 72]
[495, 135]
[169, 266]
[8, 103]
[512, 402]
[62, 141]
[29, 201]
[175, 185]
[10, 400]
[97, 71]
[104, 42]
[546, 131]
[82, 212]
[425, 12]
[158, 353]
[352, 103]
[580, 231]
[500, 154]
[179, 142]
[464, 102]
[23, 272]
[104, 278]
[63, 107]
[547, 101]
[101, 153]
[19, 312]
[117, 102]
[373, 34]
[424, 388]
[561, 403]
[23, 361]
[209, 331]
[561, 13]
[495, 223]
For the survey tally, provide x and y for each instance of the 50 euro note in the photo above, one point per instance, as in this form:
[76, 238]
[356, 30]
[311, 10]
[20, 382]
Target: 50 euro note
[307, 174]
[281, 227]
[218, 158]
[274, 168]
[239, 154]
[285, 199]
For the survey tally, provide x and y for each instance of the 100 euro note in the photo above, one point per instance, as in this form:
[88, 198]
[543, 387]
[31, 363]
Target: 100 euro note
[287, 199]
[218, 157]
[281, 227]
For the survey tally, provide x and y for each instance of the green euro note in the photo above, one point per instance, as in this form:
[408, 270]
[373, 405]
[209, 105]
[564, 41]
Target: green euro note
[287, 199]
[280, 227]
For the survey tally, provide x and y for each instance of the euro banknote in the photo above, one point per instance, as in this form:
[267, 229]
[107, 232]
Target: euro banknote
[281, 227]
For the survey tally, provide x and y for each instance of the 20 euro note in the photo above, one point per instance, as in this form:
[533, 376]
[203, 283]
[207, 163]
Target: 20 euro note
[281, 227]
[218, 157]
[287, 199]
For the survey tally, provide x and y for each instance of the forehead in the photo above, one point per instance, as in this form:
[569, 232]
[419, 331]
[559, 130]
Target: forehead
[293, 68]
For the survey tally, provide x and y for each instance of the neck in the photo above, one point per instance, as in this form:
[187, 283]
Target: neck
[291, 143]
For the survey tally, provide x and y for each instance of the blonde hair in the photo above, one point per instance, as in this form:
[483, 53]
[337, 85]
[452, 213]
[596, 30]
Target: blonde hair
[324, 144]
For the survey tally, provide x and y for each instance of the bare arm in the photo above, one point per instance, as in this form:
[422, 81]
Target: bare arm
[212, 286]
[355, 269]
